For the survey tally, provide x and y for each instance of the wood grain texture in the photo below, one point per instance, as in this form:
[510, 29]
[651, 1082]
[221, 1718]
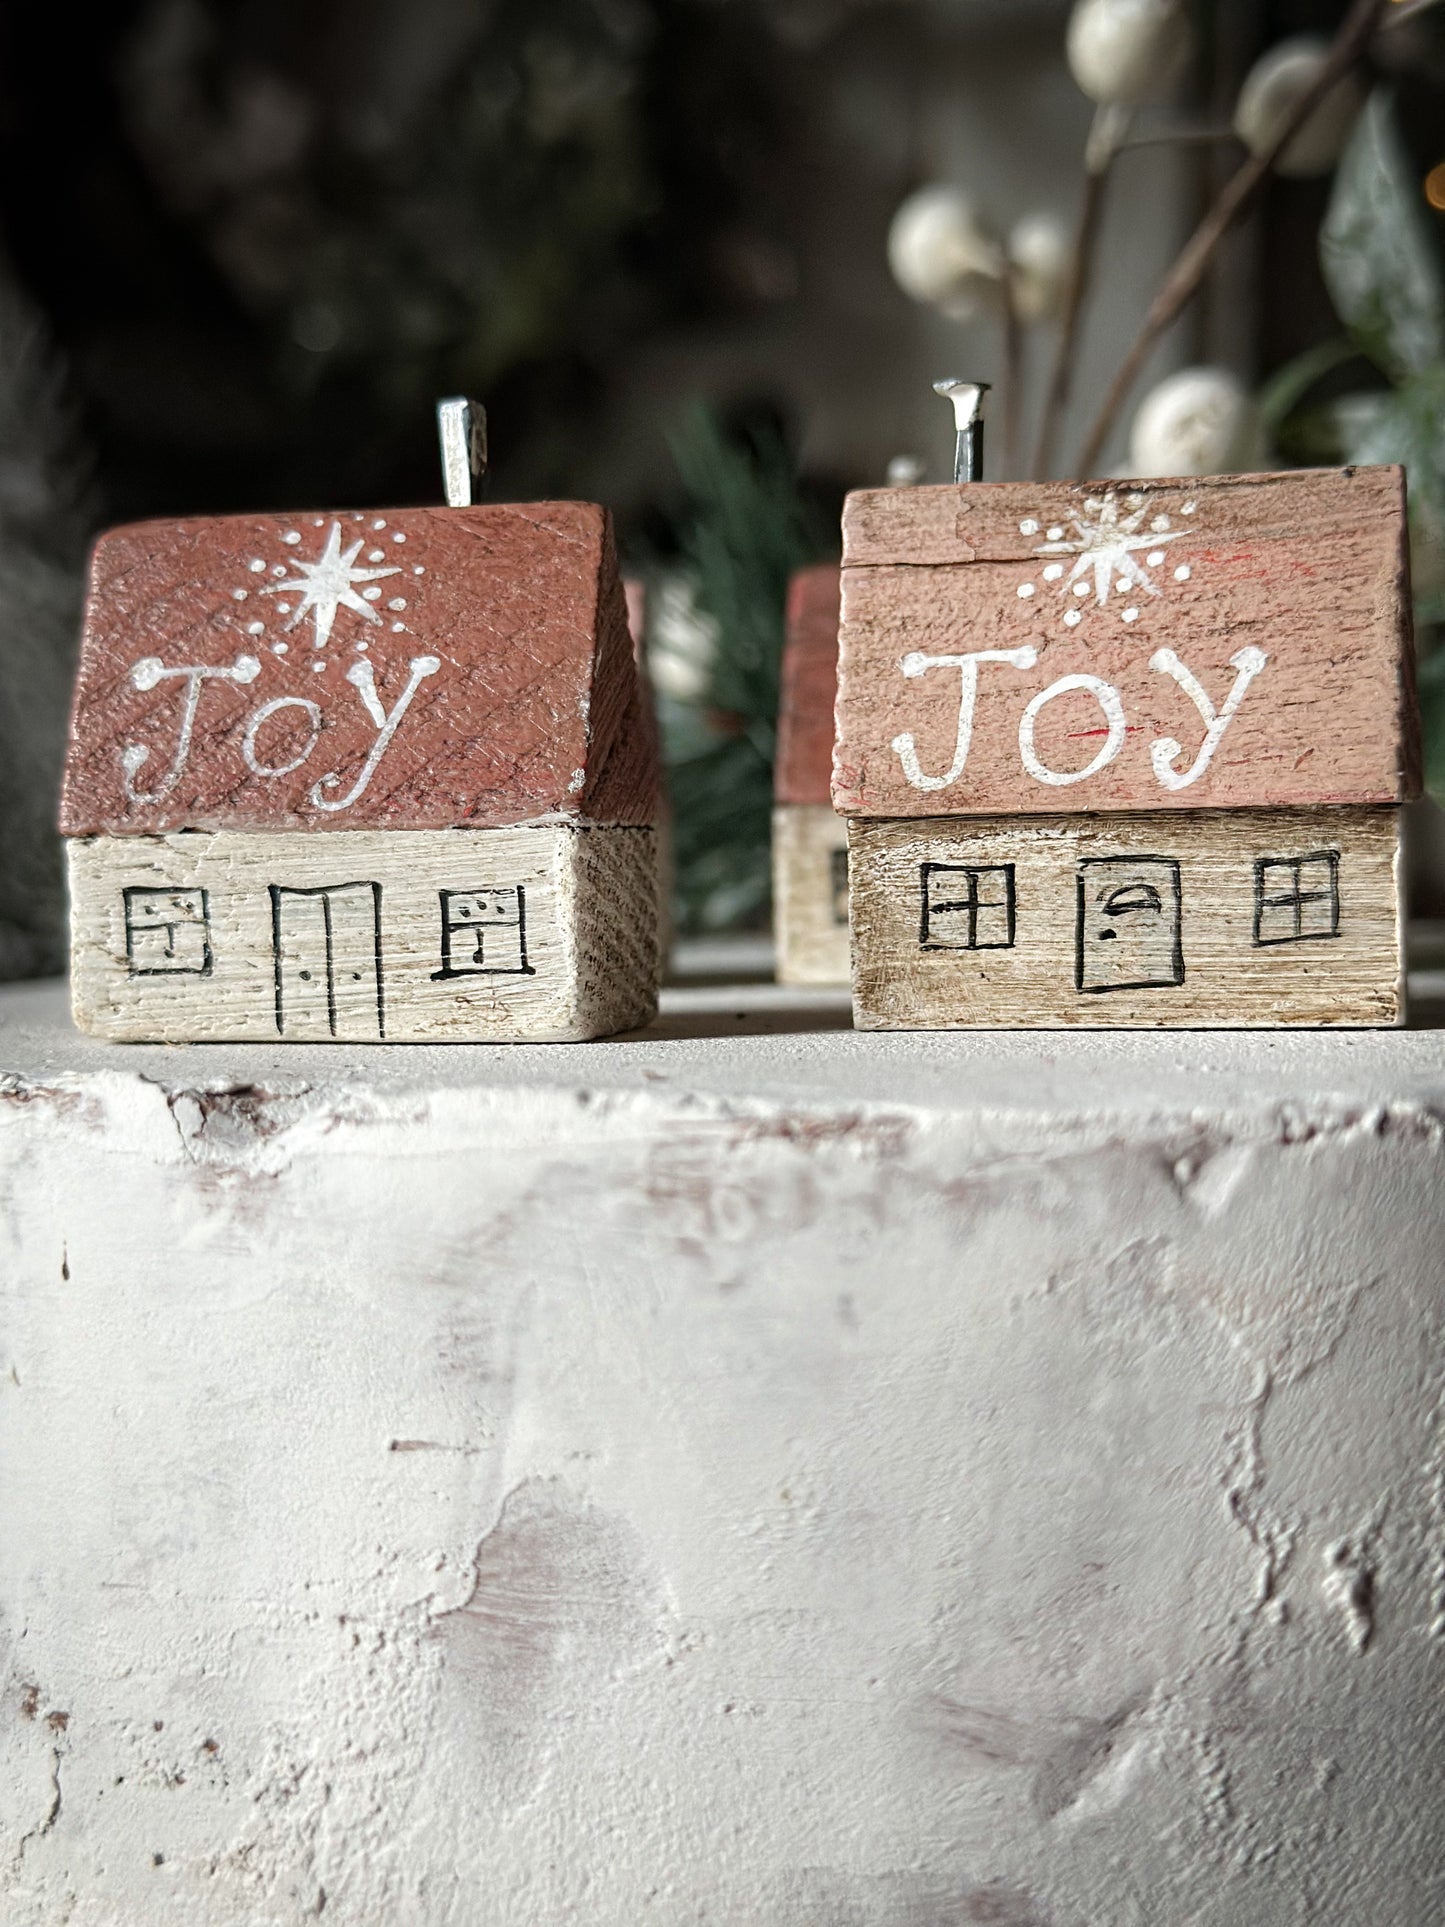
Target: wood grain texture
[1163, 920]
[810, 894]
[804, 768]
[1236, 642]
[477, 672]
[542, 933]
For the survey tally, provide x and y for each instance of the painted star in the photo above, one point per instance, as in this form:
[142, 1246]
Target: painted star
[328, 585]
[1105, 547]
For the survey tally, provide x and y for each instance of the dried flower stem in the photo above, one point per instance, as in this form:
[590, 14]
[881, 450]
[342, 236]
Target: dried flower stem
[1105, 139]
[1013, 375]
[1183, 279]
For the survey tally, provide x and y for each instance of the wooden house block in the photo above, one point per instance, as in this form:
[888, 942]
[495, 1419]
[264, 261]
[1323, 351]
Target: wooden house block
[810, 894]
[810, 841]
[1198, 918]
[1234, 642]
[362, 776]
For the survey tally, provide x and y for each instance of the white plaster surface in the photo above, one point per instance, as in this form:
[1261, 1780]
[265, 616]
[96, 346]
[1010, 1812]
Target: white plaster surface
[748, 1474]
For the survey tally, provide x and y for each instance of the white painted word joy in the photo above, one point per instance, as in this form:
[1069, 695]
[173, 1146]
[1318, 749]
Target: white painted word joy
[1164, 753]
[331, 792]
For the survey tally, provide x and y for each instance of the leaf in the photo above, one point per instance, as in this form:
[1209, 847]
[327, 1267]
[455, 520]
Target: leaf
[1432, 723]
[1406, 427]
[1288, 386]
[1376, 251]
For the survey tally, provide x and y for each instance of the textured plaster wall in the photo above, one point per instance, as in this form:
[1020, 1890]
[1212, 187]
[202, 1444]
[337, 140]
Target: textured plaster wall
[620, 1494]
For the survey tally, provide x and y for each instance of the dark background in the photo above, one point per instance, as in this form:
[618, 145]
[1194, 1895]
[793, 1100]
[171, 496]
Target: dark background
[265, 234]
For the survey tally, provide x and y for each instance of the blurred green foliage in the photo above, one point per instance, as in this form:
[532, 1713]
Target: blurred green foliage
[746, 527]
[1383, 272]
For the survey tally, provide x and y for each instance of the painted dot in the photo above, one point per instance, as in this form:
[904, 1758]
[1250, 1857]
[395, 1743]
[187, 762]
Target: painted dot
[238, 595]
[319, 522]
[1030, 527]
[279, 569]
[398, 628]
[398, 535]
[279, 648]
[417, 569]
[317, 667]
[363, 644]
[1156, 556]
[1190, 507]
[379, 523]
[1081, 588]
[284, 607]
[1160, 523]
[1026, 589]
[1123, 585]
[255, 628]
[376, 555]
[291, 537]
[373, 594]
[256, 566]
[397, 602]
[1056, 535]
[1183, 572]
[1131, 615]
[1073, 618]
[1053, 572]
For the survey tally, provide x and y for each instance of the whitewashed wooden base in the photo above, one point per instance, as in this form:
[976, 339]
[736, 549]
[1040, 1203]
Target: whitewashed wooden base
[540, 932]
[810, 894]
[1166, 919]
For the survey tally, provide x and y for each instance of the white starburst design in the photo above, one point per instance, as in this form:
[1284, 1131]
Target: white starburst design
[1106, 541]
[329, 584]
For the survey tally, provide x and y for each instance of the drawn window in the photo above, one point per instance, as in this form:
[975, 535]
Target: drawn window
[484, 933]
[838, 878]
[167, 932]
[967, 906]
[1297, 898]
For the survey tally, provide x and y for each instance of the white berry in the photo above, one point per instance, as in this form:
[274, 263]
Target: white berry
[1274, 83]
[1200, 421]
[1126, 51]
[940, 252]
[1039, 253]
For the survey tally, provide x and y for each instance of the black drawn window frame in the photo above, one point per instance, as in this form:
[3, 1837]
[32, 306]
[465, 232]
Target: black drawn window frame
[446, 974]
[130, 892]
[1297, 898]
[838, 883]
[974, 872]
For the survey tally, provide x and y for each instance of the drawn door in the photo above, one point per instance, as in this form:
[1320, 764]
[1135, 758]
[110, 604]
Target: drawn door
[328, 961]
[1129, 934]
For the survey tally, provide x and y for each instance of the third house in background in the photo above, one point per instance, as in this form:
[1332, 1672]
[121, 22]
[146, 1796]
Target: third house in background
[810, 842]
[1127, 754]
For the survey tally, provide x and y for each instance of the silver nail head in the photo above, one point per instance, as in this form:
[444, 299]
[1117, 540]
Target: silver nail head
[967, 399]
[462, 428]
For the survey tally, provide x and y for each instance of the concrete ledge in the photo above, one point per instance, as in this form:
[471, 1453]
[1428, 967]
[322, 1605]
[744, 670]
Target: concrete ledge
[748, 1472]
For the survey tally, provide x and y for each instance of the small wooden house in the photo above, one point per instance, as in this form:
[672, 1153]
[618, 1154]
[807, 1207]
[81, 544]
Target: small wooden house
[810, 840]
[361, 776]
[1127, 753]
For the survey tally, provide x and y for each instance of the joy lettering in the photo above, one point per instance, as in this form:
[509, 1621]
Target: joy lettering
[1166, 754]
[331, 792]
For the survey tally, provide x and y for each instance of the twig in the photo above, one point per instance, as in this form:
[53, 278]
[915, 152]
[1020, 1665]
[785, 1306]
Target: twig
[1013, 372]
[1183, 279]
[1179, 137]
[1403, 10]
[1105, 138]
